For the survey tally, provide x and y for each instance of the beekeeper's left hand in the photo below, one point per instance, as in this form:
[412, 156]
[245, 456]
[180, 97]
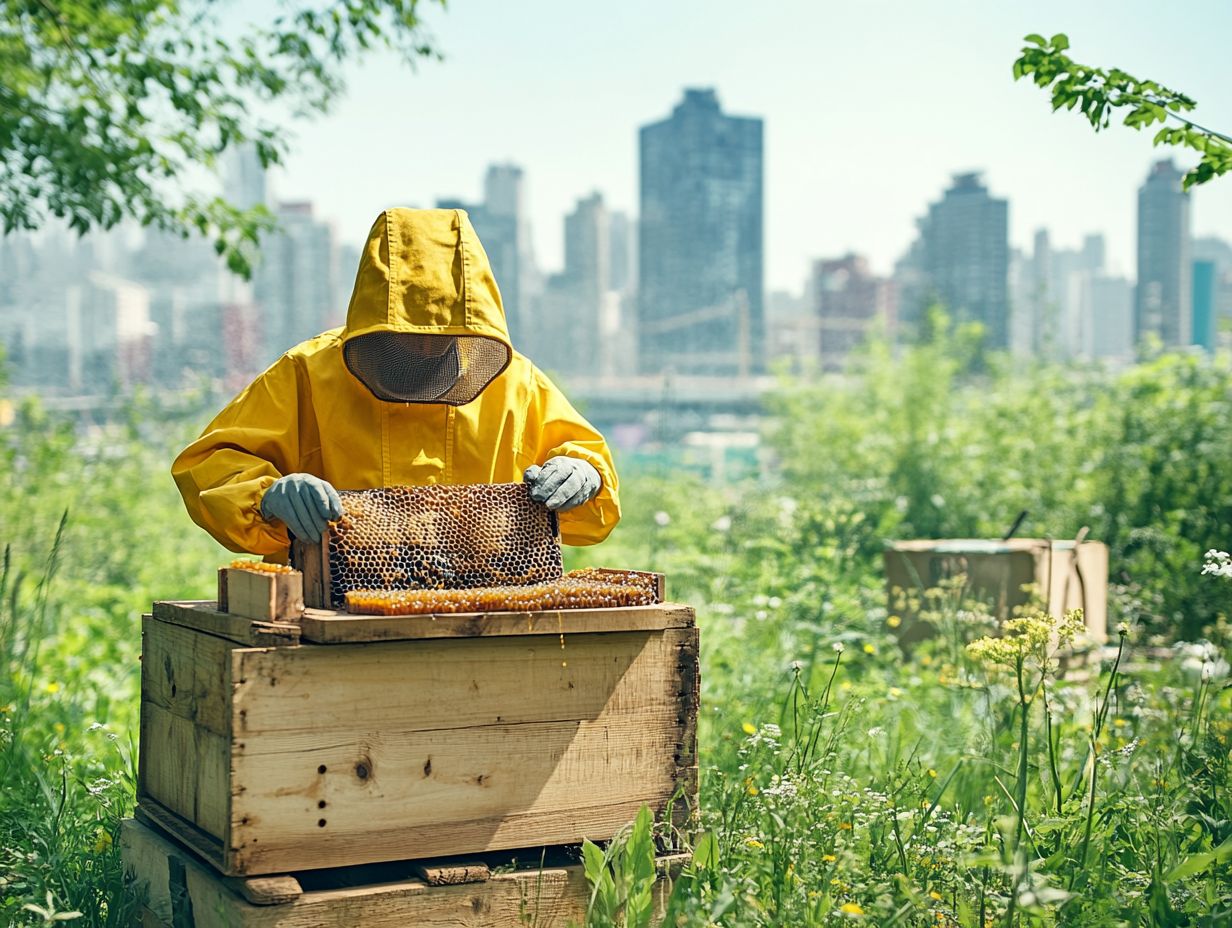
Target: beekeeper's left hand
[563, 483]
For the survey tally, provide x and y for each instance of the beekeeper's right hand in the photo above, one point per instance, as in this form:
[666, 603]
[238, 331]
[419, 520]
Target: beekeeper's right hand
[302, 502]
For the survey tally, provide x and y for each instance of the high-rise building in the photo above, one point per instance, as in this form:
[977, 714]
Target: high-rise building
[963, 258]
[1111, 330]
[849, 301]
[1205, 316]
[568, 322]
[1052, 298]
[700, 241]
[1218, 252]
[295, 281]
[501, 223]
[1163, 304]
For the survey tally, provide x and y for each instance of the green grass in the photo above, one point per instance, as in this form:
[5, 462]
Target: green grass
[837, 787]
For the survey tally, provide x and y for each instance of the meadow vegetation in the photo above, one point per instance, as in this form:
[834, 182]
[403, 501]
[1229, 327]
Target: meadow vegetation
[841, 781]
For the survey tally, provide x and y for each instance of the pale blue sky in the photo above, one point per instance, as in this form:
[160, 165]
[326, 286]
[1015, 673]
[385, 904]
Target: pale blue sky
[869, 106]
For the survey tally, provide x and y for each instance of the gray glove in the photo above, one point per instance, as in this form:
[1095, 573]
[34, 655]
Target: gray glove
[563, 483]
[302, 502]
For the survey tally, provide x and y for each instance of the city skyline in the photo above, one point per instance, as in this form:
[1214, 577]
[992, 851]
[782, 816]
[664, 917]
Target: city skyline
[846, 172]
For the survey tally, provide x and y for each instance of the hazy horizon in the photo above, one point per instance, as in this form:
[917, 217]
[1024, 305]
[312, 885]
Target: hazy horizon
[868, 108]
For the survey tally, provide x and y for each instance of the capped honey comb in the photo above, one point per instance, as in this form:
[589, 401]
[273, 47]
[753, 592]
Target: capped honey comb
[441, 537]
[579, 589]
[261, 567]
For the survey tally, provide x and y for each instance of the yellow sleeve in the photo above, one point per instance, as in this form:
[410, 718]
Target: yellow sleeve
[554, 428]
[249, 445]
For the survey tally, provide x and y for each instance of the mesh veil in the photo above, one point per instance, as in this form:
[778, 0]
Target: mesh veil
[386, 364]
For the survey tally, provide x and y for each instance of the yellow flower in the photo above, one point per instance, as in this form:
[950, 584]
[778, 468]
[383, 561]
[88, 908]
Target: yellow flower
[851, 908]
[895, 692]
[894, 621]
[829, 858]
[58, 728]
[751, 789]
[932, 773]
[844, 826]
[749, 728]
[53, 687]
[869, 648]
[935, 895]
[753, 842]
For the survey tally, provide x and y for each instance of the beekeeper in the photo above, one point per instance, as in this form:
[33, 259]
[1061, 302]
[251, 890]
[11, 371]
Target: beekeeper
[421, 386]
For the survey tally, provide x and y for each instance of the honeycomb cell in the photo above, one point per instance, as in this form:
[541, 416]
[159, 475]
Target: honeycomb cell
[441, 538]
[579, 589]
[261, 567]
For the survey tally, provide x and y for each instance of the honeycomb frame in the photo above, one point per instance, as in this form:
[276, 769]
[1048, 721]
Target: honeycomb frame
[441, 537]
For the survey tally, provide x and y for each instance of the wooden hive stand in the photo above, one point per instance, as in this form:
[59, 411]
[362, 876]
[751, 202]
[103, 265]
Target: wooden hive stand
[308, 741]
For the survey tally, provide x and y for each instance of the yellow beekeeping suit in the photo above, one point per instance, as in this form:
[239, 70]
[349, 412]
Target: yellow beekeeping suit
[422, 272]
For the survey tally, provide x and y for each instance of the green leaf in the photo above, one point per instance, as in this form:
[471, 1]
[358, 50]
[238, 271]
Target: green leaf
[1196, 863]
[706, 854]
[1060, 41]
[1035, 39]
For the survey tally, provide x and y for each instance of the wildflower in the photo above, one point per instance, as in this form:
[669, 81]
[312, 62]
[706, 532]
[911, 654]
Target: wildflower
[754, 843]
[844, 826]
[749, 728]
[935, 896]
[869, 648]
[895, 692]
[932, 773]
[58, 728]
[1218, 563]
[662, 519]
[722, 524]
[851, 908]
[894, 621]
[838, 647]
[774, 602]
[1122, 629]
[53, 687]
[829, 858]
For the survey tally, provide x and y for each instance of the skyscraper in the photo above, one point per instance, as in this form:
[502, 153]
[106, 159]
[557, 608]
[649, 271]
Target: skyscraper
[963, 257]
[500, 221]
[1162, 305]
[700, 245]
[1205, 315]
[295, 281]
[569, 318]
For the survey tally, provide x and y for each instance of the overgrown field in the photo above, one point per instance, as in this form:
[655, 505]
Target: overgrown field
[841, 782]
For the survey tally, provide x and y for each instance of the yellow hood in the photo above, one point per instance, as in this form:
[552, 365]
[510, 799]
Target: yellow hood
[424, 271]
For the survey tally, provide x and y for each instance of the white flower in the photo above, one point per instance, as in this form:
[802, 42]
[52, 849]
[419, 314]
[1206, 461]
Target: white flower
[722, 524]
[838, 647]
[662, 519]
[1218, 564]
[774, 602]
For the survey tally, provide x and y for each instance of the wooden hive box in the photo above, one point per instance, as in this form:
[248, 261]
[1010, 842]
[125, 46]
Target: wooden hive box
[1067, 574]
[271, 747]
[174, 889]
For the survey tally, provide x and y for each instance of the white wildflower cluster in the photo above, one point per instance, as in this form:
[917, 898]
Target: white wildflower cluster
[1218, 564]
[782, 787]
[1201, 660]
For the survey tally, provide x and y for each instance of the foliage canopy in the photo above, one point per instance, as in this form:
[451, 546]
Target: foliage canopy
[1096, 92]
[109, 108]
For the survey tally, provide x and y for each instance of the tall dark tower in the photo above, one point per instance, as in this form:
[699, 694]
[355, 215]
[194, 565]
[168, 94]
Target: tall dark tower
[700, 244]
[1162, 303]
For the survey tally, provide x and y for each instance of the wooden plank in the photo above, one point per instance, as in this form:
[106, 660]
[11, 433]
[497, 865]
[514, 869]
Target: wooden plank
[185, 673]
[330, 627]
[154, 816]
[436, 873]
[312, 560]
[204, 616]
[266, 890]
[317, 690]
[186, 769]
[437, 748]
[266, 597]
[180, 891]
[489, 788]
